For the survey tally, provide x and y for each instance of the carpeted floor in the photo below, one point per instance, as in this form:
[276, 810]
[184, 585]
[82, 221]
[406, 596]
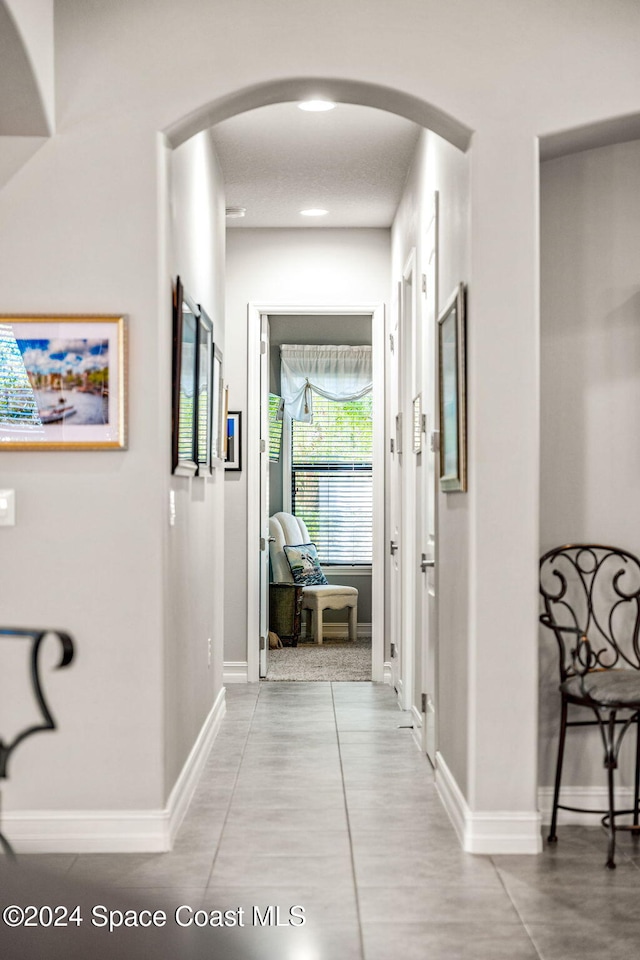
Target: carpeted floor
[334, 660]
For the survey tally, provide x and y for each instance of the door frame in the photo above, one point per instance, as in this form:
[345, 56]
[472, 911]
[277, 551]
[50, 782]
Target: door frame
[407, 478]
[254, 312]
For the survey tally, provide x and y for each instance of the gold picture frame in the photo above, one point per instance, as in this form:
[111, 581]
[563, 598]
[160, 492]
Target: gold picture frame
[63, 382]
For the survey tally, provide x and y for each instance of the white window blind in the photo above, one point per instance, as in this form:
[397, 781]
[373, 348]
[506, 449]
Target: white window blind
[331, 479]
[18, 407]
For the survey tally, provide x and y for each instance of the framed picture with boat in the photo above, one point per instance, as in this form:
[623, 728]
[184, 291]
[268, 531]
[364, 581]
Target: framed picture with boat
[63, 382]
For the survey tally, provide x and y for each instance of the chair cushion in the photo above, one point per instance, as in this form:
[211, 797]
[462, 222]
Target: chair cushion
[331, 588]
[304, 564]
[608, 687]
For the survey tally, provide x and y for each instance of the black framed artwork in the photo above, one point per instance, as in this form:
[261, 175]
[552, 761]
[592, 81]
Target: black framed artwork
[185, 374]
[234, 441]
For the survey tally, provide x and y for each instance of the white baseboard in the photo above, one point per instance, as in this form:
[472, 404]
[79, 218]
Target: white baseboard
[87, 831]
[487, 832]
[417, 720]
[116, 831]
[185, 785]
[596, 798]
[452, 798]
[387, 675]
[338, 631]
[235, 671]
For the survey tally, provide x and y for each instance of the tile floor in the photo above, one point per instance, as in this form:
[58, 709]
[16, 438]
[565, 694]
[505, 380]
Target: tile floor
[315, 794]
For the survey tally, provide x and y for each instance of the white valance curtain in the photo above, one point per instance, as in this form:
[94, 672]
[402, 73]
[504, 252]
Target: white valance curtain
[337, 373]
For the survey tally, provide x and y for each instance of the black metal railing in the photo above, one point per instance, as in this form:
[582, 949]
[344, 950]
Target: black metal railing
[37, 637]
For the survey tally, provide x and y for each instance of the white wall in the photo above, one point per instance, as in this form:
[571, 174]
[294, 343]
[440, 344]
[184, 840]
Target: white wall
[34, 20]
[194, 571]
[590, 386]
[307, 267]
[26, 68]
[439, 166]
[79, 235]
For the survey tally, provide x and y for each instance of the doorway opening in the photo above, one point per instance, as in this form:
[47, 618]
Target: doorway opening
[351, 552]
[324, 477]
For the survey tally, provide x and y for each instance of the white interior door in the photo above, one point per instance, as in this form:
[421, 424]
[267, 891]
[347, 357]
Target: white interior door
[429, 528]
[406, 392]
[264, 494]
[419, 504]
[395, 494]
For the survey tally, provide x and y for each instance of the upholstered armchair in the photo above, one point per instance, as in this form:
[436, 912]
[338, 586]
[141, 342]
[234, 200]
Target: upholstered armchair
[285, 530]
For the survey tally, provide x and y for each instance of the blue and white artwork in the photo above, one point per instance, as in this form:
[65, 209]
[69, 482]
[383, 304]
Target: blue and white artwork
[69, 379]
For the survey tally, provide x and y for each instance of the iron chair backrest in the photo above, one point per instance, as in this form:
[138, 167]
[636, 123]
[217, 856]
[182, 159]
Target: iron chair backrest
[592, 590]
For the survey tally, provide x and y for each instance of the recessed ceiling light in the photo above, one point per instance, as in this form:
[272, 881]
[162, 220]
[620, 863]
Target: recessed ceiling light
[314, 212]
[316, 106]
[234, 213]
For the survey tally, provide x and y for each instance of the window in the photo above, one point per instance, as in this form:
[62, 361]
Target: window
[276, 407]
[331, 479]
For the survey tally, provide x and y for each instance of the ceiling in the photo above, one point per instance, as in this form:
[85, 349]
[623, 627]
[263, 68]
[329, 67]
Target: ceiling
[278, 160]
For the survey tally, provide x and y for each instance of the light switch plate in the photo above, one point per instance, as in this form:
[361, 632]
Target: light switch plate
[7, 508]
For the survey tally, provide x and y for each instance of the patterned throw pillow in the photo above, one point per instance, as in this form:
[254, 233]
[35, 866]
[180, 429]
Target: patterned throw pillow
[304, 564]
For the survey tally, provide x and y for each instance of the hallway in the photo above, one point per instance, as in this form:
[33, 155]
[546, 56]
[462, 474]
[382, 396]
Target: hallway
[315, 794]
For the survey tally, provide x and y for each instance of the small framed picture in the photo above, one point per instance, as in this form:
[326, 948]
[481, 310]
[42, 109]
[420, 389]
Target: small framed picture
[452, 394]
[63, 383]
[234, 441]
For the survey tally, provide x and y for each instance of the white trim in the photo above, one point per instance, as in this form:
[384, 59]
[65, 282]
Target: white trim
[387, 673]
[487, 832]
[452, 797]
[338, 631]
[406, 373]
[417, 719]
[235, 671]
[595, 797]
[254, 334]
[116, 831]
[88, 831]
[377, 573]
[183, 789]
[377, 313]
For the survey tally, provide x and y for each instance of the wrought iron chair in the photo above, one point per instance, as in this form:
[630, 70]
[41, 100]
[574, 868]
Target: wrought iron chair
[37, 636]
[591, 597]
